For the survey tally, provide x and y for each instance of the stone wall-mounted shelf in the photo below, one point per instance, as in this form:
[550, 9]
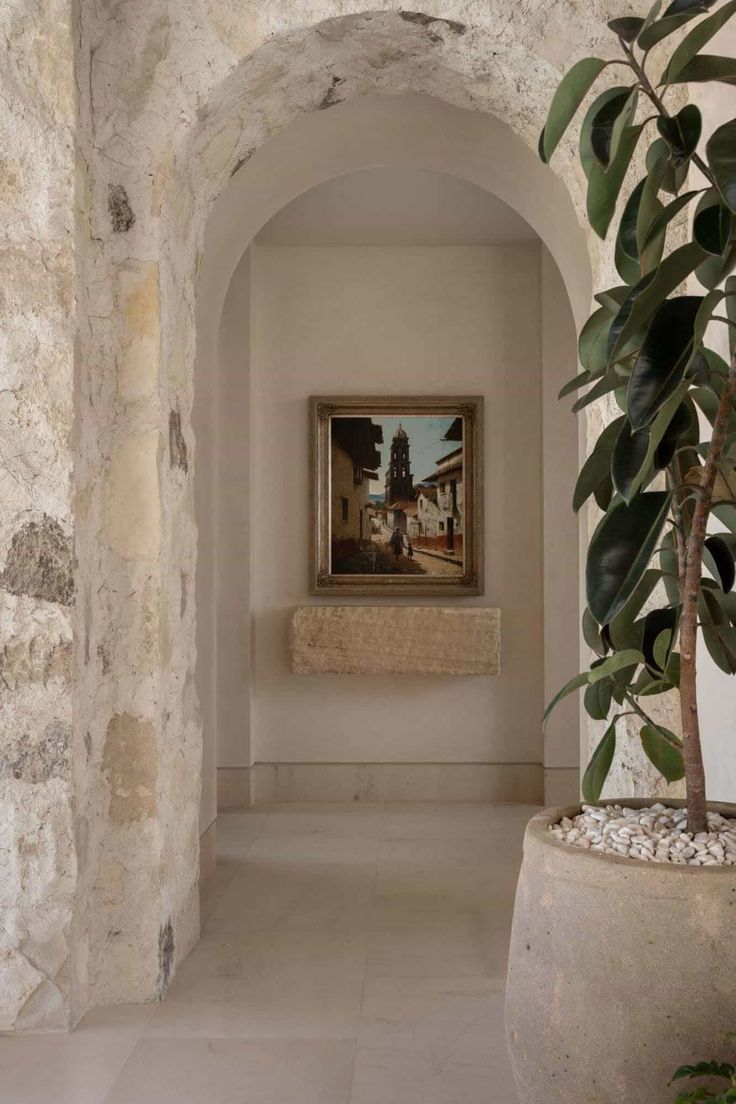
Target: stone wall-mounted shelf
[403, 640]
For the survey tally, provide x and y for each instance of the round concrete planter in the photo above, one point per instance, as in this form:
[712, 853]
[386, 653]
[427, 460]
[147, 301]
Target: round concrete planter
[619, 971]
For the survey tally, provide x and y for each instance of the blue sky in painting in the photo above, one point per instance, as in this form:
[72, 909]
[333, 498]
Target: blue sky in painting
[426, 446]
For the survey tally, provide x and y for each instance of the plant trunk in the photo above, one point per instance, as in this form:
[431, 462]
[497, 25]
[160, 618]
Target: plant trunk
[690, 589]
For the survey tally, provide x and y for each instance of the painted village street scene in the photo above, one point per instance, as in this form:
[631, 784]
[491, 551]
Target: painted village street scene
[396, 495]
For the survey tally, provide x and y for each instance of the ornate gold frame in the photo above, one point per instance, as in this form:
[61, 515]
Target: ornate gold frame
[470, 408]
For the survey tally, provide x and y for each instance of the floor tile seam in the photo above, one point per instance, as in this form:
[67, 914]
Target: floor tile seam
[365, 959]
[186, 1037]
[106, 1093]
[258, 834]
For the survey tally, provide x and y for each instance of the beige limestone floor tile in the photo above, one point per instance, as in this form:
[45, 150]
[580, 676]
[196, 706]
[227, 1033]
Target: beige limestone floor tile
[355, 810]
[236, 832]
[444, 887]
[212, 891]
[71, 1069]
[389, 1076]
[295, 985]
[294, 896]
[409, 911]
[451, 820]
[334, 846]
[307, 948]
[460, 1016]
[233, 1071]
[457, 851]
[452, 952]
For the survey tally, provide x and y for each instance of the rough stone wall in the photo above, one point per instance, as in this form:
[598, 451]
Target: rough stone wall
[173, 96]
[37, 319]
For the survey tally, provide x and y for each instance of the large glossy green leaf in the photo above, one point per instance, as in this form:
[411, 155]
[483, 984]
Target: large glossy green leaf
[721, 152]
[720, 640]
[627, 249]
[570, 93]
[707, 67]
[620, 550]
[718, 632]
[664, 750]
[662, 359]
[621, 629]
[722, 557]
[681, 132]
[587, 156]
[626, 27]
[612, 298]
[663, 436]
[668, 566]
[597, 467]
[679, 426]
[705, 1069]
[652, 291]
[603, 123]
[607, 383]
[715, 269]
[592, 634]
[574, 684]
[712, 223]
[705, 313]
[604, 184]
[573, 385]
[688, 7]
[696, 39]
[650, 206]
[656, 622]
[597, 770]
[670, 22]
[624, 120]
[628, 657]
[603, 494]
[629, 453]
[660, 223]
[652, 15]
[597, 699]
[627, 268]
[593, 342]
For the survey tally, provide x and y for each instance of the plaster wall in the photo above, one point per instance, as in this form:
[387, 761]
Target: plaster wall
[414, 320]
[412, 134]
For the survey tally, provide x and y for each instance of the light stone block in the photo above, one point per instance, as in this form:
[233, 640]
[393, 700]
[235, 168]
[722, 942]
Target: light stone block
[372, 640]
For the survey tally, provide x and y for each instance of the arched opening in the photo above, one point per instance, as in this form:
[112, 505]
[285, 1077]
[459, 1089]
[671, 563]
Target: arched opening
[248, 145]
[500, 325]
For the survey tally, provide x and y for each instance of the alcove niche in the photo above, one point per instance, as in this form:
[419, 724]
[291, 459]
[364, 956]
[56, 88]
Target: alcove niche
[393, 244]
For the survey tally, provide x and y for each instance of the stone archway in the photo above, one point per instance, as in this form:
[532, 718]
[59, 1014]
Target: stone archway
[413, 132]
[304, 72]
[119, 909]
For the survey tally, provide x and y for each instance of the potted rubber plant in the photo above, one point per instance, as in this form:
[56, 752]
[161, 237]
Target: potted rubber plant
[622, 953]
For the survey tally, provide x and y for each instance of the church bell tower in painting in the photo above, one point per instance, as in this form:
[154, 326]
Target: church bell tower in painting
[399, 481]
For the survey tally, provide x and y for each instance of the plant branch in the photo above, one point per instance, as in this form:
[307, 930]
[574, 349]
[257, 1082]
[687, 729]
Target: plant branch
[690, 586]
[650, 91]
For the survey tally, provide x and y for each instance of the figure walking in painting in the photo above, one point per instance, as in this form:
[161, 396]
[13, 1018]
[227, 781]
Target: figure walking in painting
[396, 543]
[409, 549]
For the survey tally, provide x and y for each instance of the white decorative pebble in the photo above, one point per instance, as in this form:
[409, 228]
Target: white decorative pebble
[656, 834]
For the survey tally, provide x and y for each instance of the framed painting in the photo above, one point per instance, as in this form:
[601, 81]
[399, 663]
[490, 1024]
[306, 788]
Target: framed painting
[396, 495]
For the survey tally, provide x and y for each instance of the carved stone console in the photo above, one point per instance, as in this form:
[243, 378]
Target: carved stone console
[372, 640]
